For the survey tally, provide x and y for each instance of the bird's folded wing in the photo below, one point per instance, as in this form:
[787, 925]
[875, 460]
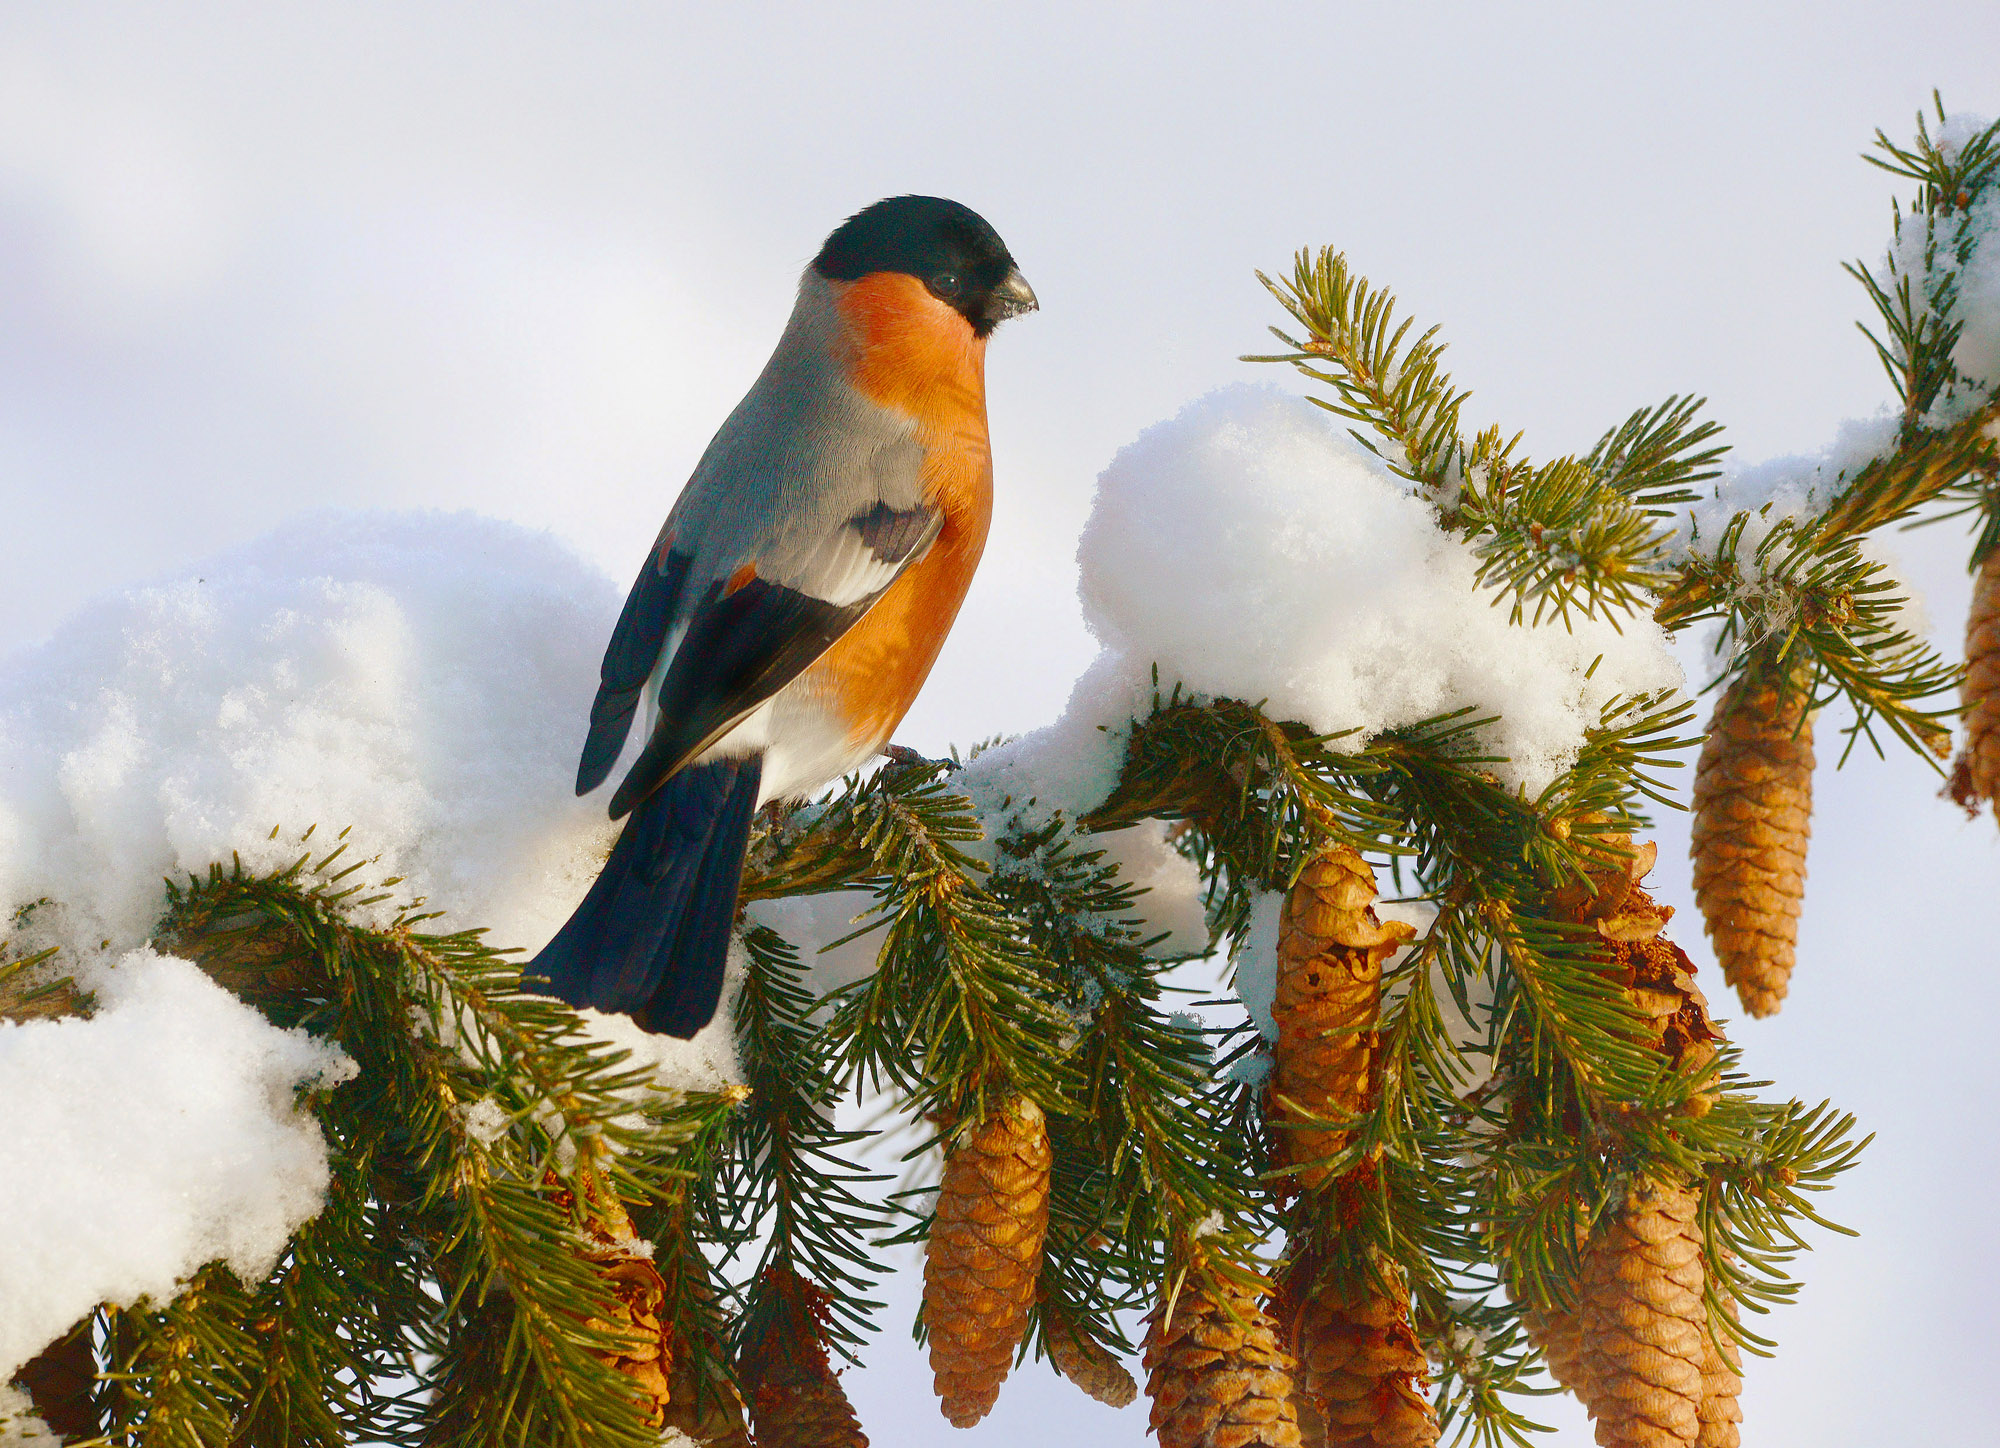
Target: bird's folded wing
[635, 647]
[752, 631]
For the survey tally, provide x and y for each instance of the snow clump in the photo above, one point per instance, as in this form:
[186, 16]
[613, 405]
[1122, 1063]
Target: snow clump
[422, 677]
[158, 1135]
[1250, 549]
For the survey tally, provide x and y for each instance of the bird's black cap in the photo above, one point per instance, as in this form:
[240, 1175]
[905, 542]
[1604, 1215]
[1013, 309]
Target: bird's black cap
[947, 246]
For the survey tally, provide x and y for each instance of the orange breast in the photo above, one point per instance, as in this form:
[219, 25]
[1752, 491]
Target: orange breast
[916, 355]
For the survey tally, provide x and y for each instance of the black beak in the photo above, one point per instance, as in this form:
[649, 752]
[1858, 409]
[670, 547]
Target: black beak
[1010, 298]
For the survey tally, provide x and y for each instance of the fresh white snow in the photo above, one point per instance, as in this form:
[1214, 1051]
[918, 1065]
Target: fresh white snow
[19, 1427]
[421, 677]
[1251, 549]
[153, 1137]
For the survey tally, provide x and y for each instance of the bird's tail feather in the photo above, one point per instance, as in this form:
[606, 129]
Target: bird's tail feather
[651, 938]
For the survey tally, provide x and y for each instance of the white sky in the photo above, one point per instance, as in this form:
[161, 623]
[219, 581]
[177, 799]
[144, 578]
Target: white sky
[522, 258]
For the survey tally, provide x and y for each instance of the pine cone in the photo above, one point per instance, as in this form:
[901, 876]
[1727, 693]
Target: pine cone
[1360, 1368]
[1559, 1335]
[805, 1407]
[796, 1400]
[1644, 1323]
[1331, 948]
[1085, 1361]
[1219, 1380]
[708, 1411]
[705, 1403]
[1633, 1350]
[645, 1354]
[1655, 972]
[1721, 1385]
[1978, 775]
[984, 1255]
[1753, 816]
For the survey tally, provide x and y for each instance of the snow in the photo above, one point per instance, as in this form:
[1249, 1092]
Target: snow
[1977, 353]
[1250, 549]
[1256, 961]
[19, 1427]
[1797, 485]
[707, 1062]
[485, 1120]
[421, 677]
[156, 1136]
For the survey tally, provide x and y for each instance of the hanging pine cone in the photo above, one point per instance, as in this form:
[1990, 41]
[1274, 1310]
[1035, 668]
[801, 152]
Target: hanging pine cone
[1643, 1321]
[1977, 777]
[707, 1408]
[1559, 1336]
[1331, 948]
[1635, 1351]
[984, 1254]
[1721, 1386]
[645, 1351]
[1084, 1360]
[1656, 973]
[704, 1402]
[1215, 1372]
[1753, 816]
[796, 1400]
[1360, 1369]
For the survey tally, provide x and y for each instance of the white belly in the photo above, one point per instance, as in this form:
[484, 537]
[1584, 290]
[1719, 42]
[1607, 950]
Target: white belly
[804, 744]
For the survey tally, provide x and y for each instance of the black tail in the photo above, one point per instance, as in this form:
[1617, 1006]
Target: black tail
[651, 938]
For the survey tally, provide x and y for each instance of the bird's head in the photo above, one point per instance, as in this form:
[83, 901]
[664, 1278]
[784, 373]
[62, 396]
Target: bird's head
[960, 260]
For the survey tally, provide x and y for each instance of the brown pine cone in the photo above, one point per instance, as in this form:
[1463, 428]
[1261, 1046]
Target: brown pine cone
[1360, 1368]
[1655, 972]
[1753, 817]
[984, 1255]
[709, 1410]
[1643, 1321]
[645, 1351]
[805, 1407]
[1641, 1294]
[1978, 775]
[796, 1400]
[1559, 1335]
[1085, 1361]
[1331, 948]
[1721, 1386]
[1215, 1372]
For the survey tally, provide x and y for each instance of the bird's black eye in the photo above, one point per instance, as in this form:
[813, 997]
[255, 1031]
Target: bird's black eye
[947, 284]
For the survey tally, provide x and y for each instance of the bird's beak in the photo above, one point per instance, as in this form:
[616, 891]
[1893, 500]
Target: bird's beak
[1011, 298]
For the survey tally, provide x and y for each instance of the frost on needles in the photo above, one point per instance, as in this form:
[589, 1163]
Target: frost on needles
[1380, 712]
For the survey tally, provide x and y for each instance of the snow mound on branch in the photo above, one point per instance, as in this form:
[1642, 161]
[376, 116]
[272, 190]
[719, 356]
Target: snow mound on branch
[1796, 485]
[154, 1137]
[421, 677]
[1250, 549]
[1977, 352]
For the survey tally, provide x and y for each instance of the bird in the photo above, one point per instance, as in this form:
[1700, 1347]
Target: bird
[793, 603]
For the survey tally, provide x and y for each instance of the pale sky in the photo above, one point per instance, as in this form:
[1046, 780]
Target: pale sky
[259, 259]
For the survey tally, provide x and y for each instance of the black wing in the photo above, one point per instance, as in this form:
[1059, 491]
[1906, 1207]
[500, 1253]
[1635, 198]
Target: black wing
[629, 658]
[749, 637]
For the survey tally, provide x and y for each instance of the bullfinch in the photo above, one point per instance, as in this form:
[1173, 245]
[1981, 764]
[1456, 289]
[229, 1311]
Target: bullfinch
[796, 598]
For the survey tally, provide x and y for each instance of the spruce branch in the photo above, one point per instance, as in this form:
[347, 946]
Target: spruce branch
[790, 1173]
[1355, 345]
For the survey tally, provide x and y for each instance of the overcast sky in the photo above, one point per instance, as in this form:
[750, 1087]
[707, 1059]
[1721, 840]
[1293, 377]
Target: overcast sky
[259, 259]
